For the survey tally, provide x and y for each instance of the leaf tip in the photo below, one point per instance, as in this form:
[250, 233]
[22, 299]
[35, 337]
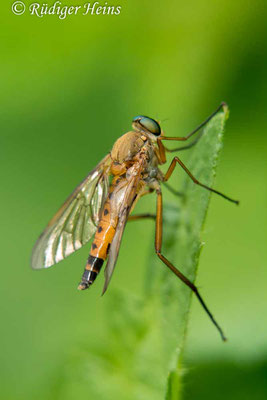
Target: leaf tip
[225, 109]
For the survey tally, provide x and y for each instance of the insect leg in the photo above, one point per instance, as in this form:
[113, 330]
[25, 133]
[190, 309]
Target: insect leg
[180, 275]
[141, 216]
[162, 152]
[183, 138]
[172, 167]
[186, 147]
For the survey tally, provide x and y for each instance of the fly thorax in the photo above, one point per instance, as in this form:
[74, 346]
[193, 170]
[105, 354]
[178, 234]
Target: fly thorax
[127, 146]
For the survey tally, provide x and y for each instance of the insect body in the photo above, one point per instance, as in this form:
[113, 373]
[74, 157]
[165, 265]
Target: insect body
[99, 208]
[133, 160]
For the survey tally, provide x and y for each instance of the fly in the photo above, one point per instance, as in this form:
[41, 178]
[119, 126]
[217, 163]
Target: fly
[99, 208]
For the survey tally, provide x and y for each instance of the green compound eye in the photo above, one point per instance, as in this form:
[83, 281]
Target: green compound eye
[149, 124]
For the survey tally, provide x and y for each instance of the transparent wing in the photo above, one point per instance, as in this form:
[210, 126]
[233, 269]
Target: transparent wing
[125, 210]
[75, 222]
[114, 250]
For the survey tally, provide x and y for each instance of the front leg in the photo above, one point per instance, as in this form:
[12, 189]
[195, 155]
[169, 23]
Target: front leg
[223, 105]
[161, 152]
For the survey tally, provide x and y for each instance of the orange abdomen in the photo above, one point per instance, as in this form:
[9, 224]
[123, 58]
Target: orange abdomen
[102, 240]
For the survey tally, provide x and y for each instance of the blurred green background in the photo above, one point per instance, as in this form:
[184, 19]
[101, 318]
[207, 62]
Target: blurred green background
[69, 88]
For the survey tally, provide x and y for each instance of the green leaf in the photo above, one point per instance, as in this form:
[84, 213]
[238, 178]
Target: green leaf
[138, 357]
[186, 245]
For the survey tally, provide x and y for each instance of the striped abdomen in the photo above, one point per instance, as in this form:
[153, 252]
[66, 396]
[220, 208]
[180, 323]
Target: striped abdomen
[100, 246]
